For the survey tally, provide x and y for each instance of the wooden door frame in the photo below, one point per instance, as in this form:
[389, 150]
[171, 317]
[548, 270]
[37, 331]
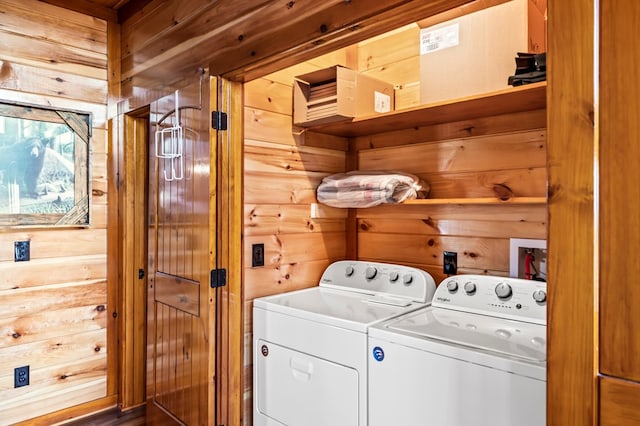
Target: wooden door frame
[572, 128]
[127, 251]
[230, 146]
[128, 147]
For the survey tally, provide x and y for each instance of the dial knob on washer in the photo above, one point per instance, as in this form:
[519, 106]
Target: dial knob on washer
[393, 277]
[407, 279]
[349, 271]
[539, 296]
[371, 273]
[452, 286]
[469, 287]
[503, 290]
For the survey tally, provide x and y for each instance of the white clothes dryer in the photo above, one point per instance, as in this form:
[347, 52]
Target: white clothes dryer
[475, 357]
[310, 346]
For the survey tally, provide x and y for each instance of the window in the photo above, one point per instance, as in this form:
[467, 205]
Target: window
[44, 166]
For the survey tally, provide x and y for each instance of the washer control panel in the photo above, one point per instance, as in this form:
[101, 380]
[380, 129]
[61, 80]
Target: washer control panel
[380, 279]
[513, 298]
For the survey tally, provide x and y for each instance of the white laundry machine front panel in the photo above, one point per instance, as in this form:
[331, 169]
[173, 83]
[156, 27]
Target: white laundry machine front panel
[337, 344]
[297, 389]
[412, 387]
[338, 361]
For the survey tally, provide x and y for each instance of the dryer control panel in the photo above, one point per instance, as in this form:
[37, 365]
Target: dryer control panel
[512, 298]
[390, 283]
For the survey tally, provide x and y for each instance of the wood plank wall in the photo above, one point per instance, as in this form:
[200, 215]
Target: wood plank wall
[282, 168]
[459, 160]
[53, 309]
[465, 159]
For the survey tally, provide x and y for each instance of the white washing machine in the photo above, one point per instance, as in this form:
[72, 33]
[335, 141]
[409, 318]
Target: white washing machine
[475, 357]
[310, 346]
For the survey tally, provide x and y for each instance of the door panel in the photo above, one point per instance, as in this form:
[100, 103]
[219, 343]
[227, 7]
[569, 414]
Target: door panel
[181, 293]
[181, 305]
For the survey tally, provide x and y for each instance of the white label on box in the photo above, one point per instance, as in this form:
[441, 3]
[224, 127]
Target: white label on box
[442, 38]
[382, 102]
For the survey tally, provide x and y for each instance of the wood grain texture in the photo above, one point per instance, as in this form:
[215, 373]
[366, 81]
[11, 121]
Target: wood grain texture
[464, 228]
[619, 402]
[55, 309]
[68, 414]
[493, 152]
[619, 342]
[476, 252]
[87, 7]
[270, 219]
[182, 316]
[498, 124]
[130, 253]
[281, 172]
[229, 362]
[518, 99]
[164, 44]
[76, 30]
[56, 58]
[114, 417]
[489, 212]
[571, 384]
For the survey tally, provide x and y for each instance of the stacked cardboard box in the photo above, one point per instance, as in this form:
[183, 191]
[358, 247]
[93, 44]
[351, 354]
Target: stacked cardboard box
[474, 53]
[338, 94]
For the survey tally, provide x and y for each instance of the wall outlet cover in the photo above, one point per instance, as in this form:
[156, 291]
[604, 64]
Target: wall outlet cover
[21, 376]
[450, 262]
[257, 255]
[21, 251]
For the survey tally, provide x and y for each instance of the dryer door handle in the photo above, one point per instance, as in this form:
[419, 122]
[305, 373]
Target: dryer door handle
[301, 369]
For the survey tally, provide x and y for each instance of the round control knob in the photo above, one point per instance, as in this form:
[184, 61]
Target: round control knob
[469, 287]
[407, 279]
[370, 273]
[393, 277]
[349, 271]
[503, 290]
[539, 296]
[452, 286]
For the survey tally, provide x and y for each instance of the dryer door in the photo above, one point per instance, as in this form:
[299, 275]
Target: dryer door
[296, 389]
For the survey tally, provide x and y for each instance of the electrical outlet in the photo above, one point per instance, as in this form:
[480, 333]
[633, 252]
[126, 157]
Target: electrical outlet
[21, 376]
[450, 262]
[257, 255]
[21, 251]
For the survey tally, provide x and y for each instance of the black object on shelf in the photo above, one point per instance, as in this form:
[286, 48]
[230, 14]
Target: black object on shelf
[530, 68]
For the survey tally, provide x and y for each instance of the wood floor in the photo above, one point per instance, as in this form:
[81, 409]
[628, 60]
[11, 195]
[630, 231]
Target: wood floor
[135, 417]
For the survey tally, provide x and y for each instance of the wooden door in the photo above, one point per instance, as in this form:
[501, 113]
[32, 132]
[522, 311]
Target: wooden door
[619, 293]
[181, 305]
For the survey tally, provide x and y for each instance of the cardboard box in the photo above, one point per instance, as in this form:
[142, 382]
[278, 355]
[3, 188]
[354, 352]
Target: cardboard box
[338, 94]
[474, 54]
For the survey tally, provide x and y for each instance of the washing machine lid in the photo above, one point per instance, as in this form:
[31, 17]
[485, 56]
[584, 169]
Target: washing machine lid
[516, 339]
[346, 309]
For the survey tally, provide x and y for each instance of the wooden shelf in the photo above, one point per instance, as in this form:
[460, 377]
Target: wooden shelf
[517, 99]
[471, 201]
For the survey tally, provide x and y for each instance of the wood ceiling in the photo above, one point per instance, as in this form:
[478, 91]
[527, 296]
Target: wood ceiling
[109, 10]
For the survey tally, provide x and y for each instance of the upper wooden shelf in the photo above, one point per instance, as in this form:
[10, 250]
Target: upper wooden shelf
[471, 201]
[517, 99]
